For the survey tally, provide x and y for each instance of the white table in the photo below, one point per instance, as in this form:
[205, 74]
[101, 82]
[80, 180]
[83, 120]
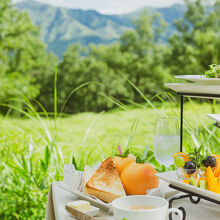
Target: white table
[58, 198]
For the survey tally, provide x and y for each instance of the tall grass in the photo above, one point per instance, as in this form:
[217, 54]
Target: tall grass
[26, 177]
[32, 160]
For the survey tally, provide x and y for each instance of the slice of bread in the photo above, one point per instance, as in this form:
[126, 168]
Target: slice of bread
[105, 183]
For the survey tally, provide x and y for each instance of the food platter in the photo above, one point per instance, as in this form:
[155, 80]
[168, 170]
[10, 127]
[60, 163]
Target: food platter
[103, 185]
[172, 179]
[215, 117]
[106, 206]
[200, 79]
[195, 89]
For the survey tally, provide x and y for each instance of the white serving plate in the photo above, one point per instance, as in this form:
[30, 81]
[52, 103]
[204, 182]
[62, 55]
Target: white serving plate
[194, 88]
[215, 117]
[93, 200]
[201, 79]
[171, 178]
[168, 192]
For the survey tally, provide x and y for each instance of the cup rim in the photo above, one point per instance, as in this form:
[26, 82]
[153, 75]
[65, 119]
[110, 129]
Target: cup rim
[140, 196]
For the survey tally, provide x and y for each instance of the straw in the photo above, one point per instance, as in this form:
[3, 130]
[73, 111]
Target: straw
[119, 150]
[145, 152]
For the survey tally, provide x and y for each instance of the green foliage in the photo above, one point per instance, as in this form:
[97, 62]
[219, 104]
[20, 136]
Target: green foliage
[25, 185]
[196, 44]
[24, 63]
[26, 178]
[136, 57]
[214, 71]
[145, 55]
[198, 155]
[97, 78]
[31, 156]
[125, 154]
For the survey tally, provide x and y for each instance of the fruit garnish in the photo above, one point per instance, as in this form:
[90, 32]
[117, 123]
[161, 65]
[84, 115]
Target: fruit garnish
[201, 178]
[213, 184]
[186, 181]
[197, 157]
[209, 161]
[193, 182]
[203, 184]
[183, 155]
[190, 167]
[217, 167]
[214, 71]
[179, 161]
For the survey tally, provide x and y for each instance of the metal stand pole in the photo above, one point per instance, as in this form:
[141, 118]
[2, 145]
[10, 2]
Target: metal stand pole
[180, 208]
[181, 125]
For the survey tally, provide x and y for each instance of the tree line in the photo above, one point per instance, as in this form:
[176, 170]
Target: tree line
[91, 78]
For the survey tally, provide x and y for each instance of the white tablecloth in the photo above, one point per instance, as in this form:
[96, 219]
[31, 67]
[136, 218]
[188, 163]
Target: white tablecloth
[58, 198]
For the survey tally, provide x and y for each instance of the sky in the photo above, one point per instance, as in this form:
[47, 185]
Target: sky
[109, 6]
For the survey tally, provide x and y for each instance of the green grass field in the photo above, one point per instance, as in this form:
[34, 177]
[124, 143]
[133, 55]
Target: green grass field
[34, 150]
[103, 131]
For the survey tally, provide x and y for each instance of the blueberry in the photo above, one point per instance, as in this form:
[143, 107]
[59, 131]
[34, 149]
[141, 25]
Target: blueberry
[190, 167]
[209, 161]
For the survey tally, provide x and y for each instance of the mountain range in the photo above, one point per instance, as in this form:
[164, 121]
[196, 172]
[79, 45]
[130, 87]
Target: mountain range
[61, 27]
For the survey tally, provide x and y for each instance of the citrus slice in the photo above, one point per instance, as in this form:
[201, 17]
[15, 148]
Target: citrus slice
[201, 179]
[187, 176]
[186, 181]
[217, 166]
[179, 161]
[182, 154]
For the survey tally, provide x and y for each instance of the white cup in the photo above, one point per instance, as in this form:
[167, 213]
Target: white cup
[161, 211]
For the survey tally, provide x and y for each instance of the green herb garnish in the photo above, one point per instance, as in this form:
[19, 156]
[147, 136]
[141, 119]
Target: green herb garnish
[139, 160]
[125, 154]
[197, 156]
[214, 71]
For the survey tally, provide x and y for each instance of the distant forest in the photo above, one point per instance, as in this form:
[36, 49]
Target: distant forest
[94, 77]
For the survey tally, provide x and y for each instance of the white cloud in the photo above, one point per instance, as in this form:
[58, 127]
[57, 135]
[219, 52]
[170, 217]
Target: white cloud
[110, 6]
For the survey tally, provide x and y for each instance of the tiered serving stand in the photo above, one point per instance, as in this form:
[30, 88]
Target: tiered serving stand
[193, 90]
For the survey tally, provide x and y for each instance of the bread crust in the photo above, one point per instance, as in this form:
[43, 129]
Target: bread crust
[102, 195]
[105, 183]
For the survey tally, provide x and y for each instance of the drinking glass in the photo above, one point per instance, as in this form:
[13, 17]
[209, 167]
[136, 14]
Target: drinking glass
[166, 140]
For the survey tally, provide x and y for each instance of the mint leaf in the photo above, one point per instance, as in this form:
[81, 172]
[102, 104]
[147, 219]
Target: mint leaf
[198, 156]
[139, 160]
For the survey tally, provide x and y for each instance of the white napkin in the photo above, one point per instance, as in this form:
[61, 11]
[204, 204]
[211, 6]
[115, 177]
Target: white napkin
[163, 190]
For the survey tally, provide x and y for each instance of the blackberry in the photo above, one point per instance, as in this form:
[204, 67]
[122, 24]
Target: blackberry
[190, 167]
[209, 161]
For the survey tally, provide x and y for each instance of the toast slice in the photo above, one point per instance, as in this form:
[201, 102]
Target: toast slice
[105, 183]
